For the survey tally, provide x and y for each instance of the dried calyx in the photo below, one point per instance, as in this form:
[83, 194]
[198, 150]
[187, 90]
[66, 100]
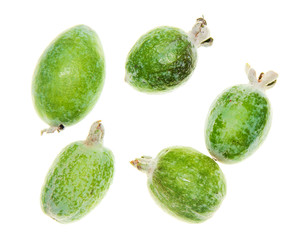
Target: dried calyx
[200, 34]
[264, 81]
[145, 164]
[53, 129]
[96, 134]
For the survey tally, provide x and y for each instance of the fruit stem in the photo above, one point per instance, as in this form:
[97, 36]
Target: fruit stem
[200, 34]
[53, 129]
[96, 134]
[144, 164]
[264, 81]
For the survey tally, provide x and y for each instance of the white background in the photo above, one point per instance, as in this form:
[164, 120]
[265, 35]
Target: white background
[263, 191]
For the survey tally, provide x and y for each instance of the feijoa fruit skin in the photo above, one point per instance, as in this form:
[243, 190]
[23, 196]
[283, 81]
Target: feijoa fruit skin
[79, 178]
[165, 57]
[239, 119]
[184, 182]
[69, 78]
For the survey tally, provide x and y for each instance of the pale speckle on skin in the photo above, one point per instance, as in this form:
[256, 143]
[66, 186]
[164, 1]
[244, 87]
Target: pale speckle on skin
[185, 180]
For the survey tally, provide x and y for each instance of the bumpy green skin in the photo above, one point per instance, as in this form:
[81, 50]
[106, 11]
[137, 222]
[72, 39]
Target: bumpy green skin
[77, 181]
[161, 60]
[69, 77]
[237, 124]
[187, 184]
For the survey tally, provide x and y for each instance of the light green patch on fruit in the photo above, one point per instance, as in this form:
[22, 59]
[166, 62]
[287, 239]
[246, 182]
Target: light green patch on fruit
[237, 124]
[69, 77]
[187, 184]
[77, 181]
[160, 60]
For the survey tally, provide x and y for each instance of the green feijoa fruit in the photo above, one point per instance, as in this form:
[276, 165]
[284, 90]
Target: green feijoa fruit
[69, 78]
[184, 182]
[165, 57]
[240, 118]
[79, 178]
